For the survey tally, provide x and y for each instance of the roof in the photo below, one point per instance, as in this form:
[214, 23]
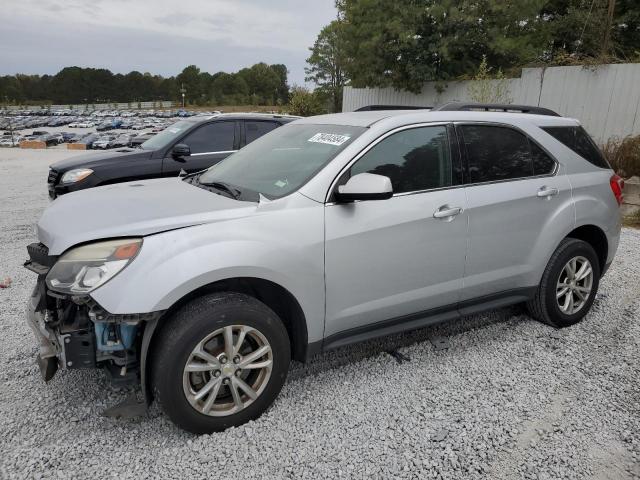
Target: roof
[243, 115]
[368, 118]
[355, 119]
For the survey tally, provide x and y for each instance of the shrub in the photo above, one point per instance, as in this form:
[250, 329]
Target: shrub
[304, 103]
[487, 87]
[623, 154]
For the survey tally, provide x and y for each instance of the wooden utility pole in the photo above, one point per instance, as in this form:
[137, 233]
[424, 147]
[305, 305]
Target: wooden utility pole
[608, 25]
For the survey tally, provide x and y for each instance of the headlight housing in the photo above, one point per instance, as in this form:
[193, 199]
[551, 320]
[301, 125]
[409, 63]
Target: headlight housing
[83, 269]
[75, 175]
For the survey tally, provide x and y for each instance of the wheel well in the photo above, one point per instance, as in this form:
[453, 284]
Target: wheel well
[276, 297]
[595, 237]
[279, 299]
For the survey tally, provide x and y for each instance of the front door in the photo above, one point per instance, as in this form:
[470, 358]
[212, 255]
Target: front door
[209, 144]
[387, 259]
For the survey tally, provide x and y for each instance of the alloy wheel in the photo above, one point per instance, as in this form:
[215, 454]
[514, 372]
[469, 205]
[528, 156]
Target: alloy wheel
[574, 285]
[227, 370]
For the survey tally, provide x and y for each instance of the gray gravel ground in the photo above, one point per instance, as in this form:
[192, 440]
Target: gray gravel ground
[509, 399]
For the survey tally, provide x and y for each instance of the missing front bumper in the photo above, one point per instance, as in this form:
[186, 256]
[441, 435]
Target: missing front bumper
[49, 348]
[78, 333]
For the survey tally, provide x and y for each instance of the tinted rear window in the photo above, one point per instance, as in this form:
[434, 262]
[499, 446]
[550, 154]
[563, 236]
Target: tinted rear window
[496, 153]
[543, 164]
[578, 140]
[255, 129]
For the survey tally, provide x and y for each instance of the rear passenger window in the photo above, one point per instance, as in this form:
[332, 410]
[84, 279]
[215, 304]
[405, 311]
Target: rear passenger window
[415, 159]
[543, 164]
[578, 140]
[212, 137]
[255, 130]
[496, 153]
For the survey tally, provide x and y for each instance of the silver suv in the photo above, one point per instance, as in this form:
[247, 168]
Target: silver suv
[327, 231]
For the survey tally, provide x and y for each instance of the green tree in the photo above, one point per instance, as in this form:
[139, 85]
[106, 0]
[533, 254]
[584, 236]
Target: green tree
[190, 79]
[228, 89]
[263, 83]
[282, 90]
[326, 64]
[573, 30]
[404, 43]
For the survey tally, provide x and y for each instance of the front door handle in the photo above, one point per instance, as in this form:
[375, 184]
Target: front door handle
[446, 211]
[547, 191]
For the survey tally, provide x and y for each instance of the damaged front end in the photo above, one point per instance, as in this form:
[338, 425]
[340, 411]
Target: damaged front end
[72, 330]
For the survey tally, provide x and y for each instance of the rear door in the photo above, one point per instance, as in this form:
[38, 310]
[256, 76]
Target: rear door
[514, 195]
[209, 144]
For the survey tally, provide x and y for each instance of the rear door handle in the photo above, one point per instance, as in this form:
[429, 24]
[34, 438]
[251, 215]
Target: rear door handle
[446, 211]
[547, 191]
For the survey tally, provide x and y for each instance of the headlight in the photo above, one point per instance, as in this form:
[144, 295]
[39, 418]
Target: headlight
[83, 269]
[73, 176]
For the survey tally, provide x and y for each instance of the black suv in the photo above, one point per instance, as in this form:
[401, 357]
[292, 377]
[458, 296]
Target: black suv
[191, 144]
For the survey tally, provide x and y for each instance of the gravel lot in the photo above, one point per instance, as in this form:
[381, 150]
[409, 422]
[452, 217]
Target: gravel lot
[509, 398]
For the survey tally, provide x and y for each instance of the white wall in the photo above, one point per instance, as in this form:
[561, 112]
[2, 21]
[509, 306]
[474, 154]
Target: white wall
[606, 99]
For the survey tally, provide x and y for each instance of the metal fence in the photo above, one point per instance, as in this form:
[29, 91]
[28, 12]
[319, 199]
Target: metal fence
[606, 99]
[99, 106]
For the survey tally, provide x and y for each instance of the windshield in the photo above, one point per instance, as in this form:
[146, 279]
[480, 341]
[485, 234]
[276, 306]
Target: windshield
[283, 160]
[166, 136]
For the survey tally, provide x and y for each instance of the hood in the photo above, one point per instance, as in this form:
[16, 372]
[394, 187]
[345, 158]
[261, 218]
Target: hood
[132, 209]
[93, 159]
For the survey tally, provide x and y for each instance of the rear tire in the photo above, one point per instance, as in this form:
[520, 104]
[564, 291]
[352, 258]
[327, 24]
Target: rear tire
[569, 285]
[198, 370]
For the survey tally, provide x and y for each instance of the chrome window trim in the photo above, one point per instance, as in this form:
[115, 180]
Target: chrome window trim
[211, 153]
[373, 144]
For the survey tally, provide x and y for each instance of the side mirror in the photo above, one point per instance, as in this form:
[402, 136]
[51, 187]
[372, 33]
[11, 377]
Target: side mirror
[180, 150]
[365, 186]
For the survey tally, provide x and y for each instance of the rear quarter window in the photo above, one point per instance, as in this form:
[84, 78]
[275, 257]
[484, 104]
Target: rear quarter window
[578, 140]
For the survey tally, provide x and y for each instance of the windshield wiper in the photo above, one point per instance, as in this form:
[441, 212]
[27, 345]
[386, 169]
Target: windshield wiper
[233, 192]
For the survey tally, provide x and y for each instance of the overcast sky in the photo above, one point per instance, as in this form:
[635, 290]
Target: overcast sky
[159, 36]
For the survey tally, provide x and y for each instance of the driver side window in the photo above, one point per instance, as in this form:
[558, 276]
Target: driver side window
[414, 159]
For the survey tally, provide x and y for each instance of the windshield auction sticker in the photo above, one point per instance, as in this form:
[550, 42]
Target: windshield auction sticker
[329, 138]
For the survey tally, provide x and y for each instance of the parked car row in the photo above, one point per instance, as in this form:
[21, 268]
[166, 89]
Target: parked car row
[102, 120]
[88, 112]
[91, 140]
[100, 124]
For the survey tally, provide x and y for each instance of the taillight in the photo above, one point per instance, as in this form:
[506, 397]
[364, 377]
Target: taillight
[617, 184]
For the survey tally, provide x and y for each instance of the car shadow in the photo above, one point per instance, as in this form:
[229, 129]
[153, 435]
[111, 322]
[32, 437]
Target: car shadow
[390, 344]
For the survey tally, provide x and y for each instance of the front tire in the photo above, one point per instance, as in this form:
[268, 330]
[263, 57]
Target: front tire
[569, 285]
[220, 361]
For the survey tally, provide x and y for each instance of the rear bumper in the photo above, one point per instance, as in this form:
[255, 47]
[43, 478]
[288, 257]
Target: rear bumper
[613, 241]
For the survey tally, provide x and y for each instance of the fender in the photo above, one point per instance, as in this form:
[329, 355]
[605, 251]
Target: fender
[591, 202]
[594, 202]
[172, 264]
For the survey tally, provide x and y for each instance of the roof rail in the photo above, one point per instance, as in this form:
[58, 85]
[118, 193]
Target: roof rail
[495, 107]
[370, 108]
